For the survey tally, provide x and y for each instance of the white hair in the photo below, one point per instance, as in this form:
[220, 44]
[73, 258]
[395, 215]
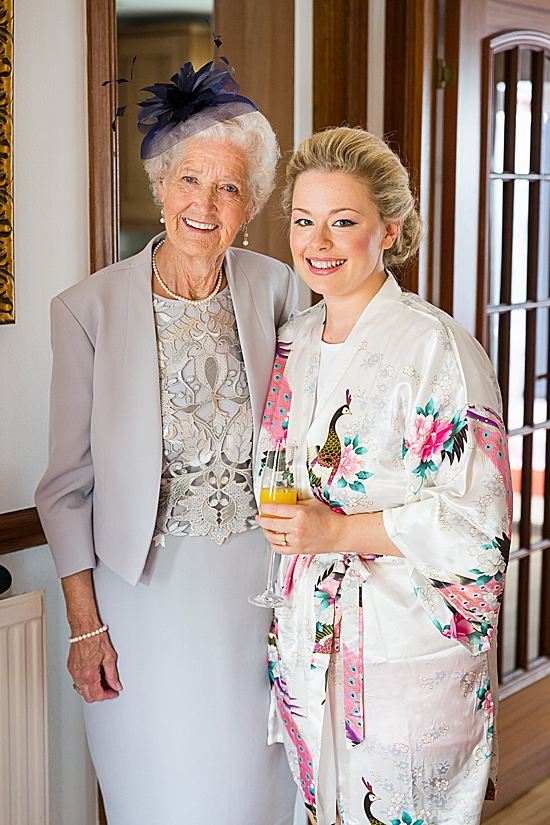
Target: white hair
[252, 133]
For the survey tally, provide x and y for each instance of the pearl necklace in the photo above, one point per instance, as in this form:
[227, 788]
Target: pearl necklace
[201, 302]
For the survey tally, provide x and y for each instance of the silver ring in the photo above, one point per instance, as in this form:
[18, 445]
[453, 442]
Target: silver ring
[284, 541]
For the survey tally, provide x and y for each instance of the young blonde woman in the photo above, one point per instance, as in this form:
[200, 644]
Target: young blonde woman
[383, 661]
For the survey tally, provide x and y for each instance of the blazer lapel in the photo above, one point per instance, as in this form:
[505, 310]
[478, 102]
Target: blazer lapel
[256, 336]
[140, 360]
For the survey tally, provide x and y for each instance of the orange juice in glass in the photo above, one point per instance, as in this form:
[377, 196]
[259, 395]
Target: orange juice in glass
[277, 488]
[278, 495]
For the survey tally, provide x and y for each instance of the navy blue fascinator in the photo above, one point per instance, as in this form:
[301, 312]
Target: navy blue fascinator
[190, 103]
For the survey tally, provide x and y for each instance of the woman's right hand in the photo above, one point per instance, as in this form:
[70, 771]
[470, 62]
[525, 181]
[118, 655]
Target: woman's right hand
[92, 662]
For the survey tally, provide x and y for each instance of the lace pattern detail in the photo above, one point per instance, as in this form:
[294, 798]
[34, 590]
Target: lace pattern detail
[206, 484]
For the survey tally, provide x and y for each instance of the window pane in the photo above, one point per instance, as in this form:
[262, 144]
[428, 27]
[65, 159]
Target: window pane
[535, 593]
[545, 167]
[520, 239]
[493, 340]
[543, 277]
[537, 482]
[497, 161]
[517, 369]
[509, 618]
[495, 234]
[541, 366]
[515, 445]
[523, 114]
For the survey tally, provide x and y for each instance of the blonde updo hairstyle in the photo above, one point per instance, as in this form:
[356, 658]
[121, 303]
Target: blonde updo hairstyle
[370, 160]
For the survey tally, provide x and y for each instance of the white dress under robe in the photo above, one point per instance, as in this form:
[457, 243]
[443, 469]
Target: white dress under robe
[185, 741]
[384, 668]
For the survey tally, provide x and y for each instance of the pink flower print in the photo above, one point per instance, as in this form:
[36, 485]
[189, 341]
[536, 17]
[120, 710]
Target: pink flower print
[460, 628]
[486, 641]
[428, 435]
[350, 464]
[489, 705]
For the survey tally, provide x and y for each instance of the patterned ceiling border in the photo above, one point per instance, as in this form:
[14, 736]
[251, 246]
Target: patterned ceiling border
[7, 291]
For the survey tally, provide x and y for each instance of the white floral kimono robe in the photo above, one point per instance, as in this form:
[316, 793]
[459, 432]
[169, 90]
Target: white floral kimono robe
[384, 668]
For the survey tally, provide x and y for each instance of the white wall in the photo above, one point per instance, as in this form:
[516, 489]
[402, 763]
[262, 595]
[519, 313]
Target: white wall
[51, 253]
[50, 223]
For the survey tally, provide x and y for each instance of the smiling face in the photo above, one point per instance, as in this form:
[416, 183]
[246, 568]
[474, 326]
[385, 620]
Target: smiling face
[337, 237]
[205, 198]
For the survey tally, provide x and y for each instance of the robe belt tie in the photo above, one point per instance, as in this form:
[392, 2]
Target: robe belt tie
[338, 592]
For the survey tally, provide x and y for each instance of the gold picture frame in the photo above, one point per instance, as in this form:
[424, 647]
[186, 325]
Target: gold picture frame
[7, 290]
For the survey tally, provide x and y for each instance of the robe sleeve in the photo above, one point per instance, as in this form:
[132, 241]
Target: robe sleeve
[454, 527]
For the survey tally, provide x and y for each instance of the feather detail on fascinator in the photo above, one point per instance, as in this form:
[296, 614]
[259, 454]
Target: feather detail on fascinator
[190, 103]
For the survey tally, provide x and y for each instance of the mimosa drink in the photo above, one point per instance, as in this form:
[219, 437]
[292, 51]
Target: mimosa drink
[277, 488]
[278, 495]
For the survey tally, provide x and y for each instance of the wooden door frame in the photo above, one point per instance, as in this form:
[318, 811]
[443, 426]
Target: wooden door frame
[102, 138]
[410, 47]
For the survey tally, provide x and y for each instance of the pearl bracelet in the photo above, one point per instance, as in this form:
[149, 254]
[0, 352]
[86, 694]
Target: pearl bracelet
[102, 629]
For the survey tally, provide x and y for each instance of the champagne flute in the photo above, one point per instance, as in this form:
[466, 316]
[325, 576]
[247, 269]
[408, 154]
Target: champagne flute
[277, 488]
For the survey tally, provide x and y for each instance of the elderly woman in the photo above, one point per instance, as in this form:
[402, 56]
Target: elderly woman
[161, 367]
[383, 660]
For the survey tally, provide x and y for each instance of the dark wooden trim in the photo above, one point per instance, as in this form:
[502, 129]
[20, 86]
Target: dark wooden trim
[449, 159]
[431, 131]
[340, 49]
[102, 817]
[340, 52]
[103, 155]
[408, 99]
[103, 150]
[19, 530]
[487, 119]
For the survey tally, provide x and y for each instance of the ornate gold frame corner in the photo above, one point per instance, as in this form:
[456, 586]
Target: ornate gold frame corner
[7, 289]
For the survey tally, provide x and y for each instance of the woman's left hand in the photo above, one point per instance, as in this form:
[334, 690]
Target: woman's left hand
[308, 528]
[311, 528]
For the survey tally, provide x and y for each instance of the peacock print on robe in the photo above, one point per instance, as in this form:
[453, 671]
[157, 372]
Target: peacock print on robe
[389, 663]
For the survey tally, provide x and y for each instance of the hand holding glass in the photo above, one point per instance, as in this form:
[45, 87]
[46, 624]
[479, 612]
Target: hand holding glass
[277, 488]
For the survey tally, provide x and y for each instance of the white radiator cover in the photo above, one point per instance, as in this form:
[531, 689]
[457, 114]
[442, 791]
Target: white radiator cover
[23, 711]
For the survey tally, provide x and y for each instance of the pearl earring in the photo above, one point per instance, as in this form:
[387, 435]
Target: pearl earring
[245, 235]
[162, 215]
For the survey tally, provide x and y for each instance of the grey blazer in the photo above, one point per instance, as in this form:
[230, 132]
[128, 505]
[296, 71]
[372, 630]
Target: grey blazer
[99, 495]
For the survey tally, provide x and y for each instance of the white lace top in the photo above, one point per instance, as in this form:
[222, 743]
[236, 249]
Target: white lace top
[206, 486]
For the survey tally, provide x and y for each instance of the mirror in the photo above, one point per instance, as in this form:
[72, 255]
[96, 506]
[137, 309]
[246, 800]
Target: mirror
[154, 39]
[263, 54]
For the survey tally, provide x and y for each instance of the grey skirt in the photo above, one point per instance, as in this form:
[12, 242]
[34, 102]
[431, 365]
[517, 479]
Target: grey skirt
[185, 741]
